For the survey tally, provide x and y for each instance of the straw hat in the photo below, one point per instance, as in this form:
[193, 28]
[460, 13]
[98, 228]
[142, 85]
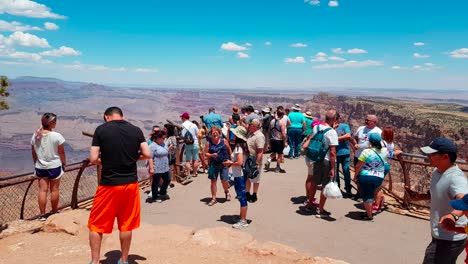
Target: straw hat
[308, 114]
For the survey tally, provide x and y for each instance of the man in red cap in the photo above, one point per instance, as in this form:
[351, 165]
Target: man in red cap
[189, 134]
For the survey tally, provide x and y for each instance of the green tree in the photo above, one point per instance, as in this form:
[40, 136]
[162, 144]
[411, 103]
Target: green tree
[4, 83]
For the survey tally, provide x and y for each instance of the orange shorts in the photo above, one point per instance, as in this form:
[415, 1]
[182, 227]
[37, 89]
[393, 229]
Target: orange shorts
[110, 202]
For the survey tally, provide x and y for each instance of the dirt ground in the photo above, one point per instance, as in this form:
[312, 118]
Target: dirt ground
[277, 216]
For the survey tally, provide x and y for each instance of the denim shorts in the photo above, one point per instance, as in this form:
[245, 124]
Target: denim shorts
[50, 174]
[215, 170]
[191, 152]
[368, 186]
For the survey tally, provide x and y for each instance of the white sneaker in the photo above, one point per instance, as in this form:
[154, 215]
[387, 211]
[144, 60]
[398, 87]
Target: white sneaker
[150, 195]
[240, 224]
[158, 200]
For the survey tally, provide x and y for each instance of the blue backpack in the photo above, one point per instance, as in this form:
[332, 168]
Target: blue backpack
[316, 150]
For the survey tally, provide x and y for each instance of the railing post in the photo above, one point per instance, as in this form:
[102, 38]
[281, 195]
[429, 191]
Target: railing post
[74, 199]
[24, 199]
[406, 179]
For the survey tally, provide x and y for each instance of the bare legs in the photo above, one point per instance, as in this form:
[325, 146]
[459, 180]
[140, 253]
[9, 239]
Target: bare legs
[95, 240]
[214, 187]
[44, 186]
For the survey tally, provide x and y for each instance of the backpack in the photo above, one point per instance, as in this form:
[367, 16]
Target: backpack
[249, 168]
[316, 150]
[188, 137]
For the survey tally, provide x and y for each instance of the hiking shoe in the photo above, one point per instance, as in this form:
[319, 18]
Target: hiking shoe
[42, 218]
[253, 198]
[323, 214]
[367, 218]
[158, 200]
[150, 194]
[240, 224]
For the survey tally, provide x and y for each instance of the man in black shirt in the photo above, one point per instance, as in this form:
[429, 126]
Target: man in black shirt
[117, 146]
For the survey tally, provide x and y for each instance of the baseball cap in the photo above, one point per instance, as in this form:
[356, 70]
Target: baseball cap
[440, 144]
[375, 138]
[185, 115]
[460, 204]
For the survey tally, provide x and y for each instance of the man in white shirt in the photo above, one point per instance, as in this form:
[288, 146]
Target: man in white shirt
[191, 148]
[361, 135]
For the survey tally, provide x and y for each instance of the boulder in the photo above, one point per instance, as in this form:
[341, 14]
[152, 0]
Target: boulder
[70, 223]
[222, 237]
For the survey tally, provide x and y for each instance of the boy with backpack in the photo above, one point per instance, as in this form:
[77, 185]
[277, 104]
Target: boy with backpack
[320, 160]
[189, 135]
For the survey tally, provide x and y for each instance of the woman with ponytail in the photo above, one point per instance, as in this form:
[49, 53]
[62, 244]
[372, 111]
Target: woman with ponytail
[48, 154]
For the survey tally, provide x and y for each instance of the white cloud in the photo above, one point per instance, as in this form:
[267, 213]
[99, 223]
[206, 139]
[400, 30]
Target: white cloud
[248, 44]
[231, 46]
[146, 70]
[333, 3]
[298, 45]
[335, 58]
[295, 60]
[27, 8]
[313, 2]
[396, 67]
[429, 64]
[268, 43]
[459, 53]
[356, 51]
[350, 64]
[426, 67]
[338, 50]
[320, 57]
[104, 68]
[62, 51]
[16, 26]
[26, 40]
[25, 56]
[242, 55]
[420, 56]
[50, 26]
[419, 44]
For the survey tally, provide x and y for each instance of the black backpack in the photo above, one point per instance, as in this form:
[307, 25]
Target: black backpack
[250, 168]
[188, 137]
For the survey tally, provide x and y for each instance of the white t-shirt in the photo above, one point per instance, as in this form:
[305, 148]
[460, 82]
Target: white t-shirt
[330, 137]
[47, 150]
[363, 140]
[237, 170]
[192, 128]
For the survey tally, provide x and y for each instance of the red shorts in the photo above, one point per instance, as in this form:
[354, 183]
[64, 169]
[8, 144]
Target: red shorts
[110, 202]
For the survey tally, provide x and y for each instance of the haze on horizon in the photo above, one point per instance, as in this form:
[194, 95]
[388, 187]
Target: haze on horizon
[301, 44]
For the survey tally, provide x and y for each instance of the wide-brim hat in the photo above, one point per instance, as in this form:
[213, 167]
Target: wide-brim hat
[308, 114]
[266, 110]
[240, 132]
[296, 108]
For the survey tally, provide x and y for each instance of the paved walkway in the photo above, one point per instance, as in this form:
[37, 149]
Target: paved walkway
[277, 217]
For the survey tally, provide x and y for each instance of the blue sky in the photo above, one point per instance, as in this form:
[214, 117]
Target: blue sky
[245, 43]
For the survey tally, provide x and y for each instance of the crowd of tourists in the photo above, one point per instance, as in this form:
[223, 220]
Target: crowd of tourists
[232, 152]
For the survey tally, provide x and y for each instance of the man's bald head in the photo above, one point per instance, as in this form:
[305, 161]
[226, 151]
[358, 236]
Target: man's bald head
[371, 121]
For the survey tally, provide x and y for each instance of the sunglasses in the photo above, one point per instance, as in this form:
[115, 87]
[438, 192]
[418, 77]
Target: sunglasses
[367, 120]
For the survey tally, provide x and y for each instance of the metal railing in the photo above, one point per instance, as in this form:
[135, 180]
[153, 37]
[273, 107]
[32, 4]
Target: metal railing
[78, 184]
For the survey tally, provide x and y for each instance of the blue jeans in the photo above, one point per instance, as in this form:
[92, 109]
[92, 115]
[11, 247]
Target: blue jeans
[239, 185]
[294, 141]
[163, 189]
[345, 162]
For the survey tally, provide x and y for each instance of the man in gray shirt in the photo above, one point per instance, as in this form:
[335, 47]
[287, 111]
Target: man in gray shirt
[448, 182]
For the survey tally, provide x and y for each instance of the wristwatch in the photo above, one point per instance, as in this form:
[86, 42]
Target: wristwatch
[456, 217]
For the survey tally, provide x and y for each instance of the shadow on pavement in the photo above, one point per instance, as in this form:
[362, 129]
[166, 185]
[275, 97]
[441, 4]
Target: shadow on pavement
[355, 215]
[359, 206]
[114, 256]
[306, 212]
[298, 199]
[231, 219]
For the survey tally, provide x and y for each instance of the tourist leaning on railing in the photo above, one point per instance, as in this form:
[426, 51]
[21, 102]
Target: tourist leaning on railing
[48, 154]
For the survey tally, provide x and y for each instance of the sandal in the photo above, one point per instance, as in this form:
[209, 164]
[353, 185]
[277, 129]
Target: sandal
[212, 202]
[228, 196]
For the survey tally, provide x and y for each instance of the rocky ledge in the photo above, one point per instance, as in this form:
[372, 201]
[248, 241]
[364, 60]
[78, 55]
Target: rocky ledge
[63, 238]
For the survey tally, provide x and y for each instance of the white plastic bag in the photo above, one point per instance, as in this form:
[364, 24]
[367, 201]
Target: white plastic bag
[332, 191]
